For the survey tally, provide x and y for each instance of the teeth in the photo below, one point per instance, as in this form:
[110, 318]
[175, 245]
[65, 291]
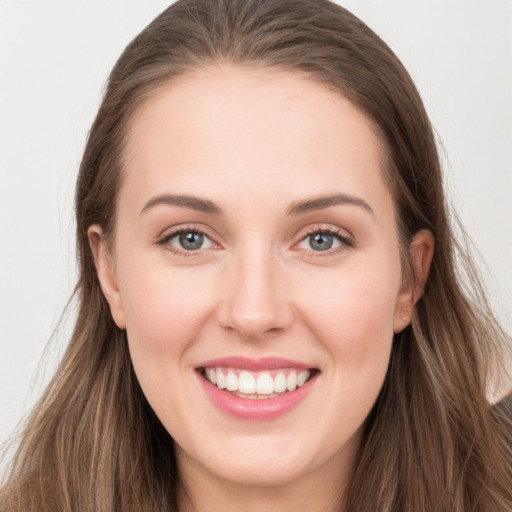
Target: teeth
[302, 378]
[279, 383]
[246, 383]
[231, 382]
[257, 383]
[221, 379]
[212, 375]
[265, 384]
[291, 381]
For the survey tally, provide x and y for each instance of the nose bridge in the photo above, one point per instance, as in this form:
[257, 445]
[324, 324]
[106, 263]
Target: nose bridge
[255, 303]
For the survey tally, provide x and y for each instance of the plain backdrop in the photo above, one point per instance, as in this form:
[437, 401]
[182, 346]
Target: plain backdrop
[54, 59]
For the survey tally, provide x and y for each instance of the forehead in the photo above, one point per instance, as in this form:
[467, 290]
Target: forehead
[246, 128]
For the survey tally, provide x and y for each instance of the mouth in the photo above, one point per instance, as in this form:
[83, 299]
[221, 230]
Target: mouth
[262, 389]
[257, 385]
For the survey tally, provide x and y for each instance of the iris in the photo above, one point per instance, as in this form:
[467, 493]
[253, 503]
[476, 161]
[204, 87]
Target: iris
[191, 241]
[321, 241]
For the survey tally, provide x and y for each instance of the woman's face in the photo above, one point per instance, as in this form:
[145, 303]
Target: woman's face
[255, 248]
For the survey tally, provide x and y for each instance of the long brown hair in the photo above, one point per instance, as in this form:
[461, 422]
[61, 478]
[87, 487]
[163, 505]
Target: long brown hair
[432, 442]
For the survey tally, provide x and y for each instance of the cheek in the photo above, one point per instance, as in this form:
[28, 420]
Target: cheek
[353, 319]
[356, 301]
[163, 308]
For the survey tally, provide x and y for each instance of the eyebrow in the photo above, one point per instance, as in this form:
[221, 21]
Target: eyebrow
[183, 201]
[297, 208]
[321, 202]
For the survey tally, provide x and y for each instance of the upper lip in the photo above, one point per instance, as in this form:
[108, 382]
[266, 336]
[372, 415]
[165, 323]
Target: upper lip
[244, 363]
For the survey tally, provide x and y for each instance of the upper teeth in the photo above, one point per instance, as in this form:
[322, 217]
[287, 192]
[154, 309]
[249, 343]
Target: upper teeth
[261, 383]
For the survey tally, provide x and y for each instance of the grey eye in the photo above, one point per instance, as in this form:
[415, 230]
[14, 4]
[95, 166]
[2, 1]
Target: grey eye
[321, 241]
[190, 241]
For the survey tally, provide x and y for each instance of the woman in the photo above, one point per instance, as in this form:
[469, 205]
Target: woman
[270, 316]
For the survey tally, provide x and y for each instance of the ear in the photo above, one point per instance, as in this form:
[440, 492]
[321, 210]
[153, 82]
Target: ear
[421, 251]
[106, 274]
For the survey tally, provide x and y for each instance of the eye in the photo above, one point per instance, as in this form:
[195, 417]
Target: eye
[186, 240]
[322, 240]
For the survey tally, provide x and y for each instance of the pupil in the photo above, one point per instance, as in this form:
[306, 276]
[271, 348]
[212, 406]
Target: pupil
[321, 242]
[191, 241]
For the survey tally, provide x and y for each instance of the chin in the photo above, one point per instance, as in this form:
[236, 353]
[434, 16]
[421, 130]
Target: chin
[269, 460]
[261, 473]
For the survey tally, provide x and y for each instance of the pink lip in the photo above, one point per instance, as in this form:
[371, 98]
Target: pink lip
[254, 365]
[247, 409]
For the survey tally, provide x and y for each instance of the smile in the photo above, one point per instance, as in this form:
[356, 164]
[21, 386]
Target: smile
[257, 385]
[262, 389]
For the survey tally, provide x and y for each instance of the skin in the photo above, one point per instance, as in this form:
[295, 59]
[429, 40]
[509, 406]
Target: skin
[256, 142]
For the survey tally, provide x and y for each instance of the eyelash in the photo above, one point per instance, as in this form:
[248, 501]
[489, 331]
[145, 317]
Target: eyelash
[164, 240]
[345, 240]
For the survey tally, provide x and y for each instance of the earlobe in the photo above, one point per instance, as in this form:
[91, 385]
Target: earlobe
[106, 274]
[421, 252]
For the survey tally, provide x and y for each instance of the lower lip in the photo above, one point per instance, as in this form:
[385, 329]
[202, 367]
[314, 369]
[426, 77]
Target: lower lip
[263, 409]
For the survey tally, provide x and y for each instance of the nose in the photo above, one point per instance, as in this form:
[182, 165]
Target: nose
[255, 303]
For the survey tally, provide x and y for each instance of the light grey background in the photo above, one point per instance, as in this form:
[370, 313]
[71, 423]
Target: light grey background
[54, 58]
